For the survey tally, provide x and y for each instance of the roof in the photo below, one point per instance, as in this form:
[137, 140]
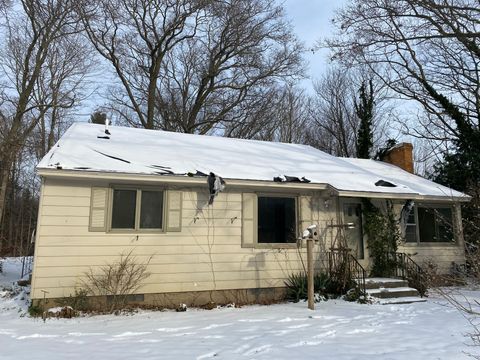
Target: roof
[85, 147]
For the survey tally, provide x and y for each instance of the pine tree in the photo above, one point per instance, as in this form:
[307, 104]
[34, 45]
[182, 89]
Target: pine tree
[98, 117]
[364, 109]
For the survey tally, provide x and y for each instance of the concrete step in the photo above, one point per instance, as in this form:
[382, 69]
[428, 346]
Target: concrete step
[396, 292]
[402, 300]
[377, 283]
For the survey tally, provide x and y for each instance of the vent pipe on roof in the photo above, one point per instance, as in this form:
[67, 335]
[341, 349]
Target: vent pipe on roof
[106, 126]
[400, 155]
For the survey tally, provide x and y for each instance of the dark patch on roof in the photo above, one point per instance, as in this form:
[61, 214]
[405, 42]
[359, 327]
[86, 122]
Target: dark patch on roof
[385, 183]
[113, 157]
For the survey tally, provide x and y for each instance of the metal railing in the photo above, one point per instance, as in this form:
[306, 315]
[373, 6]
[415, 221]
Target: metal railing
[27, 262]
[406, 268]
[404, 265]
[344, 267]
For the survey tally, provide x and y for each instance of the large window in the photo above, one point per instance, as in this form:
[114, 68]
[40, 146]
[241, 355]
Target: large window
[137, 209]
[429, 224]
[276, 220]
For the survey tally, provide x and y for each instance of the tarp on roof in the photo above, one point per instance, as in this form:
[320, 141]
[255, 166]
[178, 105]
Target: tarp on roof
[138, 151]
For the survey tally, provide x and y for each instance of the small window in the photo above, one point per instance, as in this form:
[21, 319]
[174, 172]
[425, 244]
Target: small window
[276, 220]
[137, 209]
[411, 227]
[123, 209]
[429, 224]
[152, 209]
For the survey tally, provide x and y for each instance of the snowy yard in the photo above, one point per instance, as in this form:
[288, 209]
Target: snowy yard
[336, 330]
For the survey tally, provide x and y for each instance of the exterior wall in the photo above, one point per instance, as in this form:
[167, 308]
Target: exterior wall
[441, 254]
[205, 255]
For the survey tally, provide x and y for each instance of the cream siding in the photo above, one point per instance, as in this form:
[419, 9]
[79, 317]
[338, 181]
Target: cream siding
[206, 254]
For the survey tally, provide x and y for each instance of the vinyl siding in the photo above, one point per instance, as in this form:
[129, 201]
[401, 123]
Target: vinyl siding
[205, 255]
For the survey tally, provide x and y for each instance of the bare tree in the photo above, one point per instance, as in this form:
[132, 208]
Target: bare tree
[427, 51]
[135, 36]
[60, 89]
[280, 114]
[31, 28]
[189, 65]
[333, 110]
[241, 50]
[333, 114]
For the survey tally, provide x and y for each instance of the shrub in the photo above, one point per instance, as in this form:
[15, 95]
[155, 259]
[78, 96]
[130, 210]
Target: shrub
[35, 310]
[383, 237]
[78, 301]
[117, 280]
[297, 286]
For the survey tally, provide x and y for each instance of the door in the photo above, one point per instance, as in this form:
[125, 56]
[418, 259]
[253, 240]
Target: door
[352, 218]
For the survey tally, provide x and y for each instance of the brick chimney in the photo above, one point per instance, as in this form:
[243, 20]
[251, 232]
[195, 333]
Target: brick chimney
[401, 155]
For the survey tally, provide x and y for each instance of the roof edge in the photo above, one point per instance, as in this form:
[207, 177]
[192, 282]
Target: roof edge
[404, 196]
[172, 179]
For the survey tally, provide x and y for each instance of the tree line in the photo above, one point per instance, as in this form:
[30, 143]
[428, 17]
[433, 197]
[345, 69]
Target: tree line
[235, 68]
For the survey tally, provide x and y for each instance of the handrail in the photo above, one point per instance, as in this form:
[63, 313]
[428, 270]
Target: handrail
[359, 273]
[27, 262]
[407, 269]
[344, 267]
[404, 264]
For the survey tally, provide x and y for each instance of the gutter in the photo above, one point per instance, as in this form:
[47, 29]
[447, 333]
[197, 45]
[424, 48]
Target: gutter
[201, 181]
[171, 179]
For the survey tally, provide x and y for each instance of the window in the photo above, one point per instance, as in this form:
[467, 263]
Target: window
[429, 224]
[137, 209]
[276, 220]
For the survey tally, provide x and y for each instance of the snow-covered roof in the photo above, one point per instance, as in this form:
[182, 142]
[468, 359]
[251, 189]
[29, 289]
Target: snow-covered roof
[86, 147]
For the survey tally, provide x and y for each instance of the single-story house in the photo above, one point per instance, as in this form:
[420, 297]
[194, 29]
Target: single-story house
[219, 218]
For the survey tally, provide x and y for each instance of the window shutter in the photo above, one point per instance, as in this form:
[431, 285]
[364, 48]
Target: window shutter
[98, 209]
[305, 212]
[174, 211]
[249, 219]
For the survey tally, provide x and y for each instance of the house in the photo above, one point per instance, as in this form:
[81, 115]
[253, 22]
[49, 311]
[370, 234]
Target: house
[110, 192]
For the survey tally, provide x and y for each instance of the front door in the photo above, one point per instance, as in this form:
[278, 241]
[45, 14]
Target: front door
[352, 217]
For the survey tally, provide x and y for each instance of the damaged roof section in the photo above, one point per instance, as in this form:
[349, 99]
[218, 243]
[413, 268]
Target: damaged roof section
[139, 151]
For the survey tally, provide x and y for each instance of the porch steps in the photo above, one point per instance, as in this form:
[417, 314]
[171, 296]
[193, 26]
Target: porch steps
[392, 291]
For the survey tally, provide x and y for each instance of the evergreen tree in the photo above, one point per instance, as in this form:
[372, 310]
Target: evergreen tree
[98, 117]
[364, 110]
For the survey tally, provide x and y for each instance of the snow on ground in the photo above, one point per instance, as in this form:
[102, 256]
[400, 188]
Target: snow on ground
[335, 330]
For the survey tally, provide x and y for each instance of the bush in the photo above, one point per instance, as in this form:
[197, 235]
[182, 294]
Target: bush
[297, 286]
[383, 237]
[78, 301]
[117, 280]
[35, 310]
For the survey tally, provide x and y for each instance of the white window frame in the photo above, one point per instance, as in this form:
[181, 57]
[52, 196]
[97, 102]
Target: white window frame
[433, 206]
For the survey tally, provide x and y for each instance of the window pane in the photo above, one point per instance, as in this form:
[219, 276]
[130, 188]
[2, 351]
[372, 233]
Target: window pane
[426, 223]
[276, 220]
[151, 212]
[443, 217]
[123, 210]
[411, 234]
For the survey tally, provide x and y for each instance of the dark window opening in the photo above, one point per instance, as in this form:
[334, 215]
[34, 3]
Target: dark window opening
[429, 225]
[144, 214]
[151, 210]
[276, 220]
[123, 209]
